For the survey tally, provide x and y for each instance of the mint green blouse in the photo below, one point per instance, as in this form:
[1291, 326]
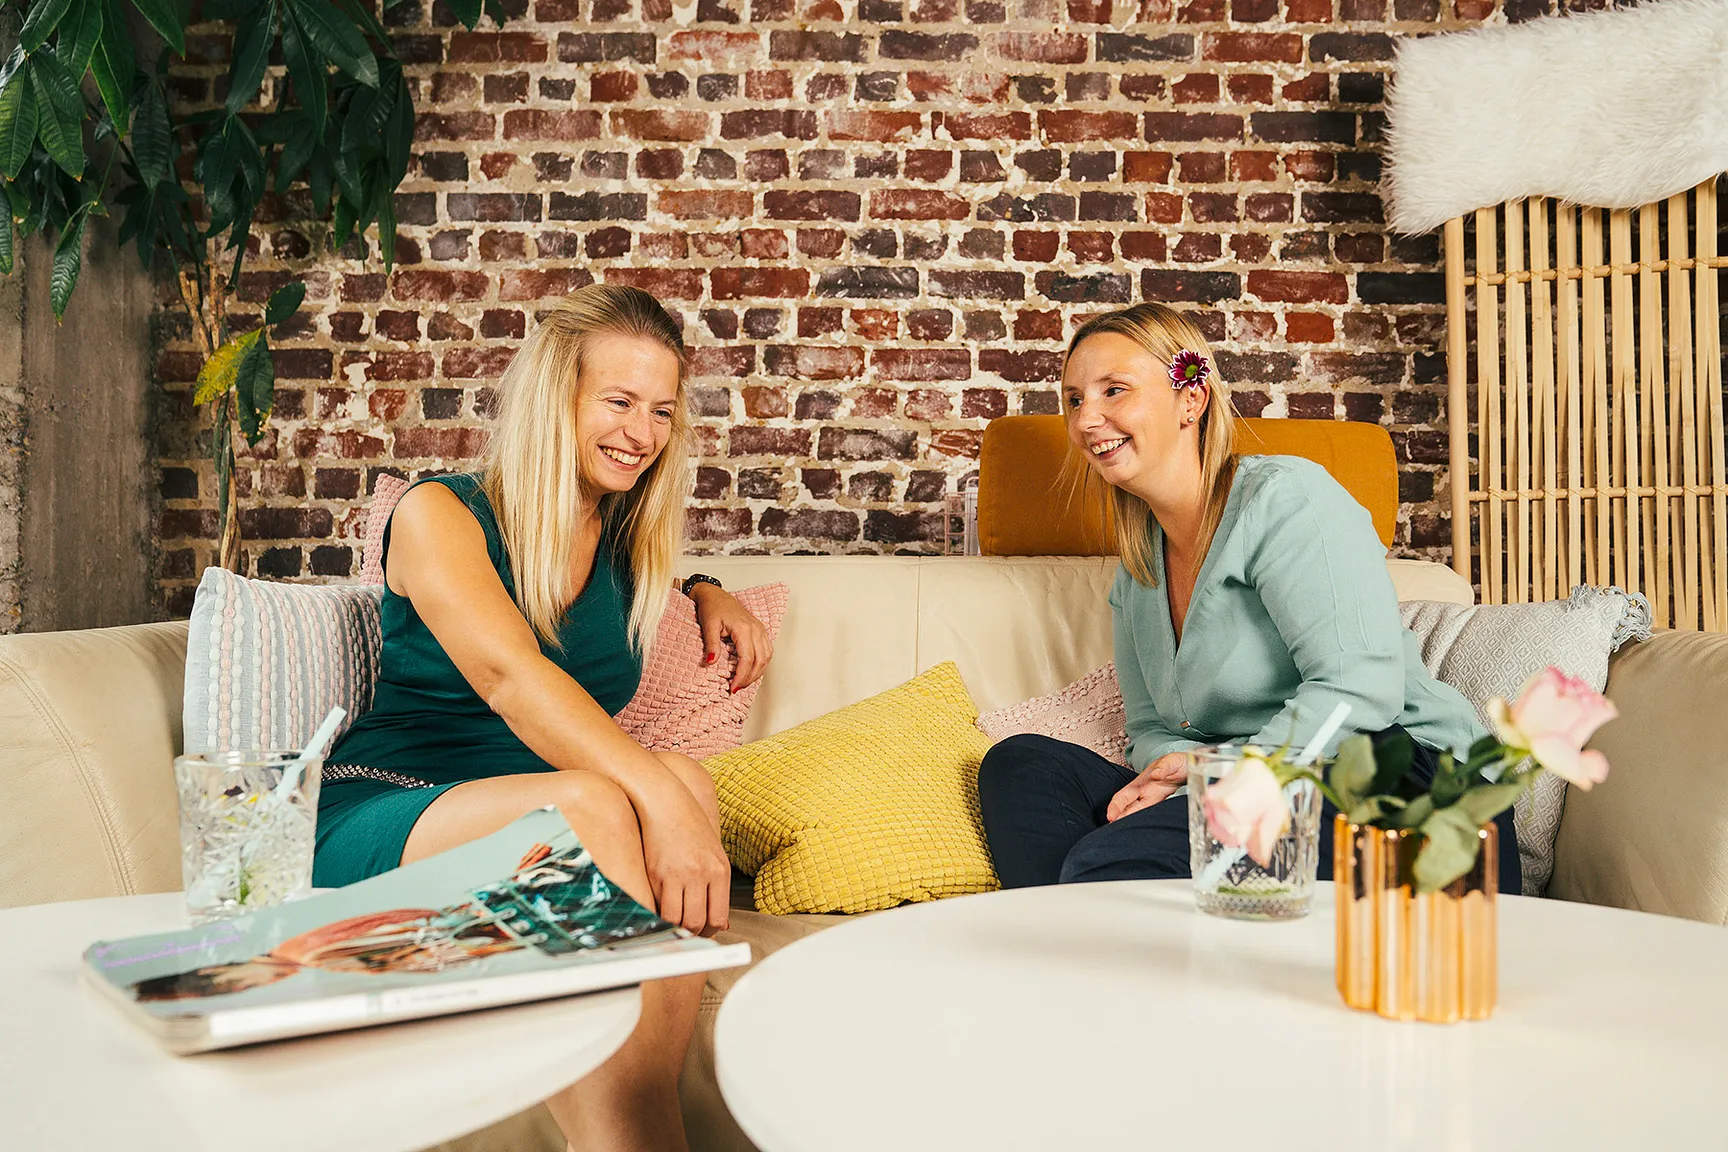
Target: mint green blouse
[1293, 611]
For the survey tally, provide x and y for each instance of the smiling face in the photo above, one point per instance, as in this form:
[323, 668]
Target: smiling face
[1124, 418]
[624, 410]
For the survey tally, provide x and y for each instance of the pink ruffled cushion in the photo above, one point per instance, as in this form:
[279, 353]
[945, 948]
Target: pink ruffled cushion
[684, 705]
[1088, 712]
[388, 490]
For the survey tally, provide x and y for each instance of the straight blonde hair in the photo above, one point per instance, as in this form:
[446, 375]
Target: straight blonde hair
[533, 473]
[1162, 332]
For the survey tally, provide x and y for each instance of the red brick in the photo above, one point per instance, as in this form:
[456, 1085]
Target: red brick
[665, 283]
[819, 321]
[1316, 166]
[870, 125]
[313, 443]
[724, 49]
[917, 204]
[495, 47]
[456, 126]
[1036, 246]
[1197, 248]
[1198, 88]
[660, 124]
[612, 86]
[541, 284]
[768, 86]
[1250, 89]
[1320, 11]
[810, 205]
[1072, 126]
[744, 440]
[1270, 47]
[755, 123]
[1042, 47]
[483, 362]
[930, 323]
[1147, 246]
[736, 361]
[928, 404]
[705, 204]
[1163, 207]
[1298, 287]
[545, 124]
[737, 283]
[1021, 367]
[712, 245]
[928, 164]
[1309, 327]
[432, 284]
[922, 363]
[986, 126]
[1147, 167]
[1313, 89]
[1092, 247]
[439, 443]
[973, 87]
[765, 244]
[387, 404]
[1253, 166]
[1201, 167]
[814, 362]
[766, 403]
[958, 442]
[875, 323]
[1192, 126]
[717, 523]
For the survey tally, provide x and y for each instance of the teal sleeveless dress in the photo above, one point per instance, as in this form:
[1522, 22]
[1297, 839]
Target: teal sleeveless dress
[429, 731]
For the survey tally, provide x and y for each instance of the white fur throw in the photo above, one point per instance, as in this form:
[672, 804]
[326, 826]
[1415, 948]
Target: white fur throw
[1612, 109]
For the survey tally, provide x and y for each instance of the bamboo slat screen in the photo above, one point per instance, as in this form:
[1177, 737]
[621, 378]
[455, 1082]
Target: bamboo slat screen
[1594, 390]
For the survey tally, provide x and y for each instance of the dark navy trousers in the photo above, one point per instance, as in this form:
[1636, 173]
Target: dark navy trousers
[1044, 801]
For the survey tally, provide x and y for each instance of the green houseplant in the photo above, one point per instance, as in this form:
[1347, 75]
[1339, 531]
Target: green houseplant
[315, 98]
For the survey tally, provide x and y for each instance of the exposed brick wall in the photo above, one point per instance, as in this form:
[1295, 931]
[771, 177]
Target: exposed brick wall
[878, 219]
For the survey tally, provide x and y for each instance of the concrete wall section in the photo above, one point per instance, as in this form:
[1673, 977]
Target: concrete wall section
[86, 482]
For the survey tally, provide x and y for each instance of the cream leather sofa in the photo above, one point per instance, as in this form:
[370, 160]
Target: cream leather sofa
[89, 722]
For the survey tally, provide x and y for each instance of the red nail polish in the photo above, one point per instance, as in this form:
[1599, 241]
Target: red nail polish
[708, 659]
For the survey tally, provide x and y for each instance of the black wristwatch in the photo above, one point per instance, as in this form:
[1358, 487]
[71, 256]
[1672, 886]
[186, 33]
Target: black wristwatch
[696, 578]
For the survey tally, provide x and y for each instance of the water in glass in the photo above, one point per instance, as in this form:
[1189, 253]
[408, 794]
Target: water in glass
[1227, 881]
[243, 844]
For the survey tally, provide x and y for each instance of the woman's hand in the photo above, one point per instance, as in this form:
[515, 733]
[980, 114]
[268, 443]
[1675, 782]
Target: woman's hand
[1153, 786]
[723, 618]
[687, 867]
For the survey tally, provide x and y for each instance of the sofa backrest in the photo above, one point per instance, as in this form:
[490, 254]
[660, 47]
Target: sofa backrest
[90, 721]
[1028, 507]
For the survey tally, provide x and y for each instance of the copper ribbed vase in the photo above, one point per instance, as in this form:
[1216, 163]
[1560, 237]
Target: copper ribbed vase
[1412, 955]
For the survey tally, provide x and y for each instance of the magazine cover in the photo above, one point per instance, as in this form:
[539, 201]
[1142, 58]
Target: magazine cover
[522, 914]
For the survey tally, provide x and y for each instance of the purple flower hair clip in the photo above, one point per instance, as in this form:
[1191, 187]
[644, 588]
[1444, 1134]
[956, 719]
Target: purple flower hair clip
[1189, 370]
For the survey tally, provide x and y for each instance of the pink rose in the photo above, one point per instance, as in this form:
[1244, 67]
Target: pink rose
[1246, 809]
[1553, 718]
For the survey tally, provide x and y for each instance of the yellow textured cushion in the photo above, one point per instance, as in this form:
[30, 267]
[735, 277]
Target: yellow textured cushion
[870, 806]
[1026, 509]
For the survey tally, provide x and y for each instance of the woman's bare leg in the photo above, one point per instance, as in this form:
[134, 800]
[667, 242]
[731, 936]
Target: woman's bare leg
[696, 778]
[629, 1103]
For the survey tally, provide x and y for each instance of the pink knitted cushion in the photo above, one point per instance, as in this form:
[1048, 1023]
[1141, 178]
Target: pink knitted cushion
[1088, 712]
[388, 490]
[684, 705]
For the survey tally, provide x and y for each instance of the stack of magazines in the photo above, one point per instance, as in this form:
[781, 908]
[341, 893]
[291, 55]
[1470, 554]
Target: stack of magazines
[522, 914]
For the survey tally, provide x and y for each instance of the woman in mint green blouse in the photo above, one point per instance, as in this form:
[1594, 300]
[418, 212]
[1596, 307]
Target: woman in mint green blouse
[1253, 598]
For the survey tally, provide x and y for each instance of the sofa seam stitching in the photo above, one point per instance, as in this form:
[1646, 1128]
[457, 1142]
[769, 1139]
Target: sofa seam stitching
[51, 718]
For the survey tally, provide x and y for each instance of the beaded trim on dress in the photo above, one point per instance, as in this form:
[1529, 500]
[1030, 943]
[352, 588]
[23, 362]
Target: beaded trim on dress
[334, 772]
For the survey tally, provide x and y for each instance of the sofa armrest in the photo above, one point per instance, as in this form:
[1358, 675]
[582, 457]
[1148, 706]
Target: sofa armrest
[1654, 836]
[89, 728]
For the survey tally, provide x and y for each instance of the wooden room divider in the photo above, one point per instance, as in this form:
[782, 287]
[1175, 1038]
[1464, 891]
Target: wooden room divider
[1594, 396]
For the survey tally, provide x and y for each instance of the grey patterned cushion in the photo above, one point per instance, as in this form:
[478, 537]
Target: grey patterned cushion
[1492, 649]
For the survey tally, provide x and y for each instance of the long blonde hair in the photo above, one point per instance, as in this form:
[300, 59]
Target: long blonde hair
[1162, 332]
[533, 473]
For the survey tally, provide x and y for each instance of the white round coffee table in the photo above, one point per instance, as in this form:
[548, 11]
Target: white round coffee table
[76, 1074]
[1117, 1016]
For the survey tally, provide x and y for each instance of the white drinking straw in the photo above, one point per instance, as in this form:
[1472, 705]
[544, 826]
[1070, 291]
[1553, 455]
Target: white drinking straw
[1222, 862]
[314, 748]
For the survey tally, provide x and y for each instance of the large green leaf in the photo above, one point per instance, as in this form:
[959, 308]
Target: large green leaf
[399, 136]
[319, 175]
[79, 36]
[361, 13]
[386, 207]
[365, 117]
[68, 259]
[152, 138]
[59, 113]
[255, 389]
[1483, 803]
[307, 73]
[219, 372]
[168, 17]
[344, 222]
[284, 302]
[1449, 847]
[328, 30]
[44, 17]
[296, 149]
[17, 123]
[252, 40]
[467, 11]
[6, 240]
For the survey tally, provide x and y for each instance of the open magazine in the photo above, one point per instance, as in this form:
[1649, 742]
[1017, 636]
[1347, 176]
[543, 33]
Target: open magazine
[521, 914]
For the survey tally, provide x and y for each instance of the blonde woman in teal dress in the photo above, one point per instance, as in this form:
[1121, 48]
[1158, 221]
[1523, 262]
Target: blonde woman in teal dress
[517, 607]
